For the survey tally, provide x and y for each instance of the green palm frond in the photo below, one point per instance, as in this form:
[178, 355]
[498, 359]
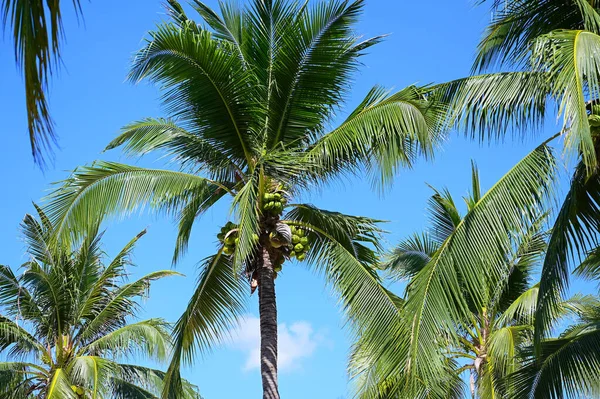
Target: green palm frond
[572, 61]
[437, 303]
[195, 70]
[410, 256]
[590, 267]
[108, 188]
[59, 386]
[19, 340]
[148, 338]
[573, 232]
[37, 32]
[213, 310]
[487, 106]
[443, 215]
[118, 306]
[521, 309]
[565, 367]
[385, 131]
[515, 26]
[343, 251]
[93, 373]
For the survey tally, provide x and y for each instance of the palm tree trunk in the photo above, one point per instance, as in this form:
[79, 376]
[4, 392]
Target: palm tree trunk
[268, 327]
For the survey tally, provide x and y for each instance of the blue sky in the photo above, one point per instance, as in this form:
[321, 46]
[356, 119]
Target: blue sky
[430, 41]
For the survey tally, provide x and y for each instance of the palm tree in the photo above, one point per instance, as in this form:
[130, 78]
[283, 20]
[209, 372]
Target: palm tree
[466, 277]
[250, 99]
[37, 32]
[489, 343]
[65, 323]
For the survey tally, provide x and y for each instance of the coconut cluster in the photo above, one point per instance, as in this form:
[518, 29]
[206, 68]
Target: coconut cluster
[300, 243]
[274, 202]
[229, 237]
[79, 391]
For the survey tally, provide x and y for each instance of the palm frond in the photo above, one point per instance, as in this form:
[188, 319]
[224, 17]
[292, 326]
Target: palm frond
[384, 132]
[149, 338]
[106, 188]
[515, 26]
[213, 310]
[37, 34]
[410, 256]
[573, 232]
[487, 106]
[571, 59]
[437, 303]
[195, 70]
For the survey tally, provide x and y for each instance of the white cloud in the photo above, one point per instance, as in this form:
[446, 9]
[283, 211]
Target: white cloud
[296, 342]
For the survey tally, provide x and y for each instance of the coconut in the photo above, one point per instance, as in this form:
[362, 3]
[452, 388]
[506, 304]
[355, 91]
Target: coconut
[79, 391]
[277, 197]
[301, 257]
[298, 247]
[295, 239]
[278, 268]
[304, 240]
[230, 240]
[300, 233]
[227, 250]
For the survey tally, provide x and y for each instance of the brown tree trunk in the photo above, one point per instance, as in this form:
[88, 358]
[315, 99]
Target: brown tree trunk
[268, 326]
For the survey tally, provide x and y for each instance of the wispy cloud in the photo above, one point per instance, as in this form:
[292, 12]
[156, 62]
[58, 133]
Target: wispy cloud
[296, 342]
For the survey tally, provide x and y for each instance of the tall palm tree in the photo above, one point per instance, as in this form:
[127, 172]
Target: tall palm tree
[463, 278]
[65, 323]
[251, 95]
[37, 33]
[490, 341]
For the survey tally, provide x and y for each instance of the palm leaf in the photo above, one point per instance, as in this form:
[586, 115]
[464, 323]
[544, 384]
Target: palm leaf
[111, 188]
[213, 310]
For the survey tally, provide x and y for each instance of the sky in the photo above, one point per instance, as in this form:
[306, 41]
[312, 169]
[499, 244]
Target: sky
[429, 41]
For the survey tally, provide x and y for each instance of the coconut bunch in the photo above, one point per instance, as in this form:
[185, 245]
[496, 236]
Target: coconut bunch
[300, 243]
[229, 237]
[274, 202]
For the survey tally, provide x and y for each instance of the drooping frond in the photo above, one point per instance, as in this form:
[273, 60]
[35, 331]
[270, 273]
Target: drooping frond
[508, 39]
[148, 338]
[191, 151]
[108, 188]
[572, 60]
[37, 34]
[410, 256]
[590, 267]
[565, 367]
[213, 310]
[488, 106]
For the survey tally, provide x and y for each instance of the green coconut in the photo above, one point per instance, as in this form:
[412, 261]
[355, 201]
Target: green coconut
[298, 247]
[278, 268]
[79, 391]
[295, 239]
[227, 250]
[300, 233]
[277, 197]
[301, 257]
[230, 240]
[304, 240]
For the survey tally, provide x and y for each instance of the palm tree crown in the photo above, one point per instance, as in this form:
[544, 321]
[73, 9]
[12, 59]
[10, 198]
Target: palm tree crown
[65, 323]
